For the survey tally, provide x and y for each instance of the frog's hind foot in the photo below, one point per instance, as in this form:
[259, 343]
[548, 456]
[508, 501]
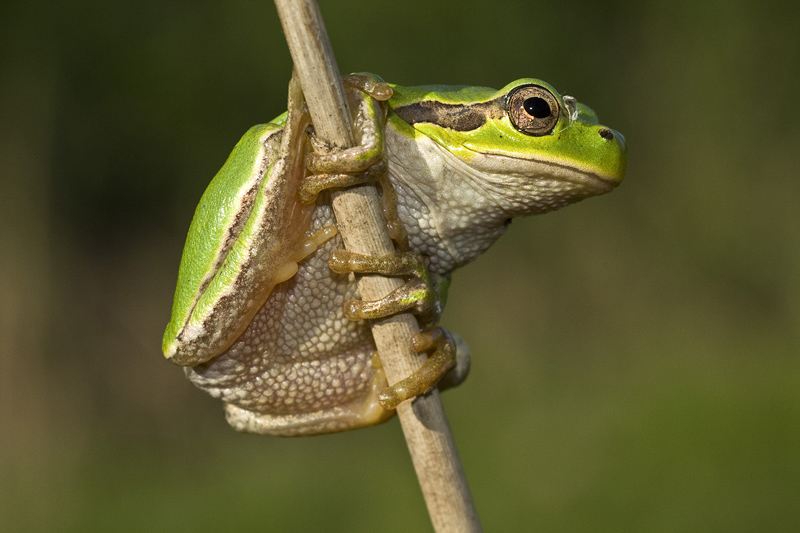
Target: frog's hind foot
[313, 184]
[417, 296]
[443, 359]
[456, 375]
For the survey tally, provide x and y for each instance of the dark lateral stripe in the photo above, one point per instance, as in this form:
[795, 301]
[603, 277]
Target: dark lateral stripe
[458, 117]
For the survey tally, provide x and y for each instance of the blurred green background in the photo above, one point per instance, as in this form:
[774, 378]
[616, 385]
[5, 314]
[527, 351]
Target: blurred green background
[635, 357]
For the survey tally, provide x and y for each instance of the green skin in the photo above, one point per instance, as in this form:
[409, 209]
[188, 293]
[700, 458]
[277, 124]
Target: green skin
[573, 142]
[247, 317]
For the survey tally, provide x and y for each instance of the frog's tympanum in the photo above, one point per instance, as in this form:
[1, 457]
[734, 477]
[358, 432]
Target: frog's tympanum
[267, 315]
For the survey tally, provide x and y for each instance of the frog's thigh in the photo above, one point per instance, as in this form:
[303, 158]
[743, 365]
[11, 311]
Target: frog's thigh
[361, 412]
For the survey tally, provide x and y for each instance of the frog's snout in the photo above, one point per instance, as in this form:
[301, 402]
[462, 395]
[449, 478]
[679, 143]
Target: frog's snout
[618, 148]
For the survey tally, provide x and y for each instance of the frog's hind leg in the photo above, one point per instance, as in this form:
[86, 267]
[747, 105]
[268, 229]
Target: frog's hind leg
[447, 366]
[419, 296]
[361, 412]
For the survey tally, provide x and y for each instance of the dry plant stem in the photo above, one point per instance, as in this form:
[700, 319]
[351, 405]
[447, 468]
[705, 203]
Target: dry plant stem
[361, 224]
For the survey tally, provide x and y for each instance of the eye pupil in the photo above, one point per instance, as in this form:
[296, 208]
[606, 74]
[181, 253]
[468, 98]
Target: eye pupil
[533, 109]
[537, 107]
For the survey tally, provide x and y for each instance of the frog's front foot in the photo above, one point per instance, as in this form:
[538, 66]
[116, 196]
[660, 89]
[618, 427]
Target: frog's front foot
[330, 168]
[419, 297]
[315, 183]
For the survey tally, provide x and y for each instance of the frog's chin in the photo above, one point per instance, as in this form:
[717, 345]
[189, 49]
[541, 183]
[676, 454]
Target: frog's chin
[594, 183]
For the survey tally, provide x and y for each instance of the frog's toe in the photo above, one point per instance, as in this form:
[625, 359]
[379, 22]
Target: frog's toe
[370, 84]
[313, 184]
[456, 375]
[441, 360]
[416, 296]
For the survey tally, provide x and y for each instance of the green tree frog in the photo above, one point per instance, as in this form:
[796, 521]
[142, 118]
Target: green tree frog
[262, 320]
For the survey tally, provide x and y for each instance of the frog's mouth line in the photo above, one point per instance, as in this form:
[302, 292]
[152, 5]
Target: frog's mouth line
[584, 177]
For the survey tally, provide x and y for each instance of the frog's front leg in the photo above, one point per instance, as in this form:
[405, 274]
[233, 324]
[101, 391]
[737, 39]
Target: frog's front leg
[329, 168]
[363, 163]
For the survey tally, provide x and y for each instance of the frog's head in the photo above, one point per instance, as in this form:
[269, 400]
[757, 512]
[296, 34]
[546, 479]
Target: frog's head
[526, 137]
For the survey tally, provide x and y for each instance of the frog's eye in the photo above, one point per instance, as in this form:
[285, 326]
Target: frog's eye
[533, 109]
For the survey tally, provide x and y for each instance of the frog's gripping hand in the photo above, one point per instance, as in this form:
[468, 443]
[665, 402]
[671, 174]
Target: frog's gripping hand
[330, 168]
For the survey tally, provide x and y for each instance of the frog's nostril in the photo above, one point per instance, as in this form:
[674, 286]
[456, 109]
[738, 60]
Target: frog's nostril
[606, 134]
